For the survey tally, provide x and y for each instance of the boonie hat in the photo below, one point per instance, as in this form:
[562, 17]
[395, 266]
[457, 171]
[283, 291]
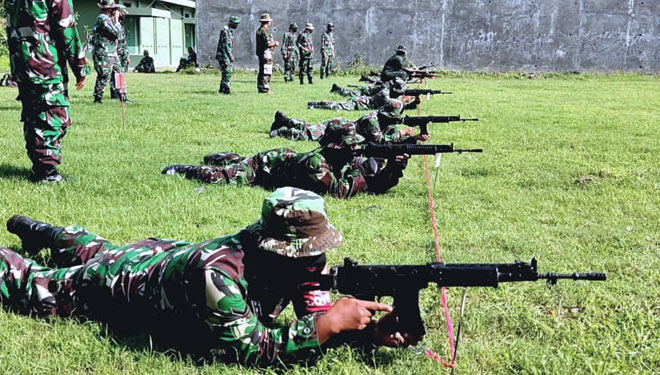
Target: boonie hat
[309, 26]
[265, 18]
[340, 136]
[294, 223]
[235, 20]
[401, 48]
[392, 109]
[293, 26]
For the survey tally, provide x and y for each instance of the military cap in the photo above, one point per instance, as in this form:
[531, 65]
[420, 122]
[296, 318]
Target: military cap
[392, 109]
[235, 20]
[401, 48]
[293, 26]
[340, 136]
[107, 4]
[294, 223]
[265, 17]
[309, 26]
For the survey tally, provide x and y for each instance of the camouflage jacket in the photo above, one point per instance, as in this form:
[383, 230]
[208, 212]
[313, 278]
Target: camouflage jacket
[289, 45]
[328, 44]
[370, 128]
[107, 35]
[264, 38]
[305, 44]
[394, 68]
[36, 32]
[224, 52]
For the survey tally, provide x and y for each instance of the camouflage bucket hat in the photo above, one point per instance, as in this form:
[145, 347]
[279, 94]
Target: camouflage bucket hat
[392, 109]
[235, 20]
[340, 136]
[107, 4]
[294, 224]
[401, 48]
[309, 26]
[293, 26]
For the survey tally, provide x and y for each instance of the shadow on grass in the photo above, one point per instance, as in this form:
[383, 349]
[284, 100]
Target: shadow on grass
[12, 171]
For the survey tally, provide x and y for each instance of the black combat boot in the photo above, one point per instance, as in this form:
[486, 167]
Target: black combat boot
[45, 173]
[280, 121]
[335, 88]
[302, 81]
[97, 100]
[311, 81]
[321, 74]
[34, 235]
[179, 169]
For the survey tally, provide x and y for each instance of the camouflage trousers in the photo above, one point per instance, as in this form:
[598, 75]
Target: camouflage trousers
[265, 73]
[230, 168]
[306, 66]
[290, 67]
[45, 119]
[225, 81]
[106, 67]
[327, 63]
[298, 130]
[359, 103]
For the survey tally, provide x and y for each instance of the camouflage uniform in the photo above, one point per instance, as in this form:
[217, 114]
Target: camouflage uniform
[369, 90]
[369, 126]
[289, 55]
[394, 66]
[327, 53]
[201, 287]
[225, 55]
[357, 103]
[106, 57]
[305, 46]
[265, 55]
[331, 169]
[39, 34]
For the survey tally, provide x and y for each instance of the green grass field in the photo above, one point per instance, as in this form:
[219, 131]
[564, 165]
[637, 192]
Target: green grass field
[570, 174]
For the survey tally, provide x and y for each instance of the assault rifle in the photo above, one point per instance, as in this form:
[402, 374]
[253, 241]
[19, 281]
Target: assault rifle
[419, 92]
[388, 151]
[422, 74]
[403, 282]
[423, 121]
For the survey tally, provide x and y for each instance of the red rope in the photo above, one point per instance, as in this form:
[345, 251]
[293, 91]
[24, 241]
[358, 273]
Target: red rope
[445, 307]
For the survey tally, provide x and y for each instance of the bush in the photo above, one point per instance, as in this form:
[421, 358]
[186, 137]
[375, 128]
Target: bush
[4, 51]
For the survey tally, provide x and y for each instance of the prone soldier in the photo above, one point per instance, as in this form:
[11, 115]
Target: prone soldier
[327, 51]
[224, 292]
[225, 54]
[39, 36]
[290, 53]
[306, 47]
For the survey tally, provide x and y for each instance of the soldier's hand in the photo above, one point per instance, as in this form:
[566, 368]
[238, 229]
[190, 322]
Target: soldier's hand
[231, 59]
[347, 314]
[407, 131]
[386, 333]
[423, 137]
[80, 83]
[400, 161]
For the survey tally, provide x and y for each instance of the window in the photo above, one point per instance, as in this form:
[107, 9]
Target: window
[132, 26]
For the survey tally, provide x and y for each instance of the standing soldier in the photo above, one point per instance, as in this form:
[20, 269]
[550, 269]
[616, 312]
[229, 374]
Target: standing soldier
[106, 58]
[306, 46]
[327, 51]
[290, 53]
[39, 35]
[122, 51]
[224, 54]
[265, 46]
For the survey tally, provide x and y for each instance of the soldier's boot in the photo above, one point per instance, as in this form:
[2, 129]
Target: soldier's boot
[178, 169]
[302, 80]
[35, 235]
[97, 100]
[222, 158]
[321, 74]
[312, 105]
[280, 121]
[45, 173]
[114, 95]
[125, 99]
[311, 81]
[335, 88]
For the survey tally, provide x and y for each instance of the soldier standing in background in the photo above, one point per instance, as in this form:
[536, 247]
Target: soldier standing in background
[290, 53]
[108, 31]
[327, 51]
[265, 46]
[306, 47]
[225, 55]
[39, 35]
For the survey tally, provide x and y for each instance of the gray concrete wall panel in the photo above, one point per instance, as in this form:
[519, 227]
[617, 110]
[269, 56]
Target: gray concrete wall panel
[472, 35]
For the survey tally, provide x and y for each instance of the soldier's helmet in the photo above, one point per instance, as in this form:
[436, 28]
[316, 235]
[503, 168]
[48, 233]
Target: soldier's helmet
[392, 109]
[294, 223]
[293, 26]
[309, 26]
[341, 135]
[401, 49]
[234, 20]
[107, 4]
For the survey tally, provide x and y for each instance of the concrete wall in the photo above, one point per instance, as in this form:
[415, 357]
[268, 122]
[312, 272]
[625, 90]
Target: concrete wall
[488, 35]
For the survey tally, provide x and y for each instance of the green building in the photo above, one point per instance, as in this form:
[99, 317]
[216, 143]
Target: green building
[165, 28]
